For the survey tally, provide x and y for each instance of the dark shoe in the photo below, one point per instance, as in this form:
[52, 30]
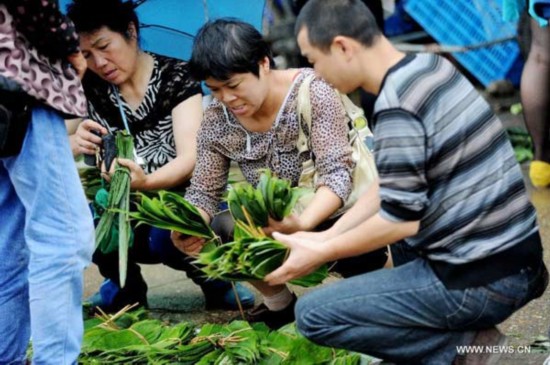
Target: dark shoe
[273, 319]
[111, 300]
[226, 299]
[485, 339]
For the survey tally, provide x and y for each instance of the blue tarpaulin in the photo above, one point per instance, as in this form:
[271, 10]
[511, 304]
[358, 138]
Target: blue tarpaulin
[168, 26]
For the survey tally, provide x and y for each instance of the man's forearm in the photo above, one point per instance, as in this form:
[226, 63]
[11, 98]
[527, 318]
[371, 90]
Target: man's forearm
[372, 234]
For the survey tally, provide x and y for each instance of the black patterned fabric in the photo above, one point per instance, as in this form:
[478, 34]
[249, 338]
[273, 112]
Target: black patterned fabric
[42, 23]
[151, 122]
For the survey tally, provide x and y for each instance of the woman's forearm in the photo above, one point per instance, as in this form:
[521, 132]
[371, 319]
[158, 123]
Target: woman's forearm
[174, 173]
[366, 207]
[324, 204]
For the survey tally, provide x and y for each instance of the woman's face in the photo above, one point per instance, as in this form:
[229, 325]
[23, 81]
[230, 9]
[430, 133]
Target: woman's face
[243, 94]
[109, 54]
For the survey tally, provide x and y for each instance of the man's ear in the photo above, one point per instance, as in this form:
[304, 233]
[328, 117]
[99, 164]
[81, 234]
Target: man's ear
[344, 46]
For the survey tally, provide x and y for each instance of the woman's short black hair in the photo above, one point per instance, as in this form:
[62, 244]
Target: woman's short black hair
[90, 15]
[227, 46]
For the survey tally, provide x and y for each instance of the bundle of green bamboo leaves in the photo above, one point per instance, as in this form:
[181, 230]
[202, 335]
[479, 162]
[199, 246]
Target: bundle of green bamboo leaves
[251, 258]
[118, 205]
[252, 255]
[170, 211]
[130, 338]
[273, 197]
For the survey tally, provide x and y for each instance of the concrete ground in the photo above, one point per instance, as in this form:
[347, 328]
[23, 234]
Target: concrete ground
[173, 297]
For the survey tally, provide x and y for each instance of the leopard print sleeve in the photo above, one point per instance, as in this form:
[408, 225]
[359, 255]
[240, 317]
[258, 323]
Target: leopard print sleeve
[212, 167]
[329, 140]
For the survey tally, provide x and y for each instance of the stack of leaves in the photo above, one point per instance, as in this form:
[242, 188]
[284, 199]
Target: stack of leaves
[117, 208]
[302, 351]
[126, 338]
[272, 197]
[244, 196]
[521, 142]
[170, 211]
[236, 343]
[251, 257]
[278, 194]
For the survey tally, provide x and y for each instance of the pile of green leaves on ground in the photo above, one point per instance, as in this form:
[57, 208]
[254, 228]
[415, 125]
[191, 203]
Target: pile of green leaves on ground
[521, 142]
[118, 204]
[273, 197]
[134, 339]
[170, 211]
[129, 339]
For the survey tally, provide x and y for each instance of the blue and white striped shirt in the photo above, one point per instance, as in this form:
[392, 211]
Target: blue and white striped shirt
[444, 159]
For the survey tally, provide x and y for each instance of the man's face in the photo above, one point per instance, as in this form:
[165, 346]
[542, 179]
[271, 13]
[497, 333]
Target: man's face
[329, 65]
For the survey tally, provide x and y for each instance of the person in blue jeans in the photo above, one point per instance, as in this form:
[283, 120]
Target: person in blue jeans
[162, 107]
[46, 230]
[449, 186]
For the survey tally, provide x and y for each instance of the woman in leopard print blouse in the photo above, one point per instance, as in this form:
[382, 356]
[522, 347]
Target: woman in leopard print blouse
[253, 121]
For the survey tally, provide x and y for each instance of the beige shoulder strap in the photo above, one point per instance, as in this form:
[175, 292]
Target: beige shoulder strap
[353, 112]
[303, 109]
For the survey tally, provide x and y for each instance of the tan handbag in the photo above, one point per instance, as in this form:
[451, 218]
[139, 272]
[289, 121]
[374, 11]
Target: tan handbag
[364, 172]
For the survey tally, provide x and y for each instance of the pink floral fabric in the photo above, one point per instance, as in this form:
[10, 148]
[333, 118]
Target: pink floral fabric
[51, 81]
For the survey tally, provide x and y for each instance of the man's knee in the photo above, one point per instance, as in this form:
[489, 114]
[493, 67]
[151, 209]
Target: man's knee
[311, 320]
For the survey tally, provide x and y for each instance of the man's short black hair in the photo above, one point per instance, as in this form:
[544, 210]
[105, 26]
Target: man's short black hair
[227, 46]
[326, 19]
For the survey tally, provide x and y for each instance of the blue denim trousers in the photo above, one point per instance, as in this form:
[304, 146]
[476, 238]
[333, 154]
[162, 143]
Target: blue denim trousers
[46, 240]
[151, 246]
[406, 315]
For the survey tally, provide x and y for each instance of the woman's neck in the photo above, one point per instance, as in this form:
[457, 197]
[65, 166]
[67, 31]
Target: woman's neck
[133, 90]
[279, 86]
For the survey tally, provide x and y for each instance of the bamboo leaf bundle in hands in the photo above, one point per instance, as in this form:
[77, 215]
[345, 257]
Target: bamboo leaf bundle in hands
[273, 197]
[251, 258]
[253, 255]
[117, 208]
[170, 211]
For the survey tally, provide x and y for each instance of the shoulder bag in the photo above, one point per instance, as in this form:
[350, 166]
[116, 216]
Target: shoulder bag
[364, 172]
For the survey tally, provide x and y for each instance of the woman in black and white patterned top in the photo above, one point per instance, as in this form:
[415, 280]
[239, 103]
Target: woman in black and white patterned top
[162, 105]
[163, 108]
[163, 111]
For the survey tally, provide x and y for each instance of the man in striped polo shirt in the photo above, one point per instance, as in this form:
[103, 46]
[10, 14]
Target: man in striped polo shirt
[449, 186]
